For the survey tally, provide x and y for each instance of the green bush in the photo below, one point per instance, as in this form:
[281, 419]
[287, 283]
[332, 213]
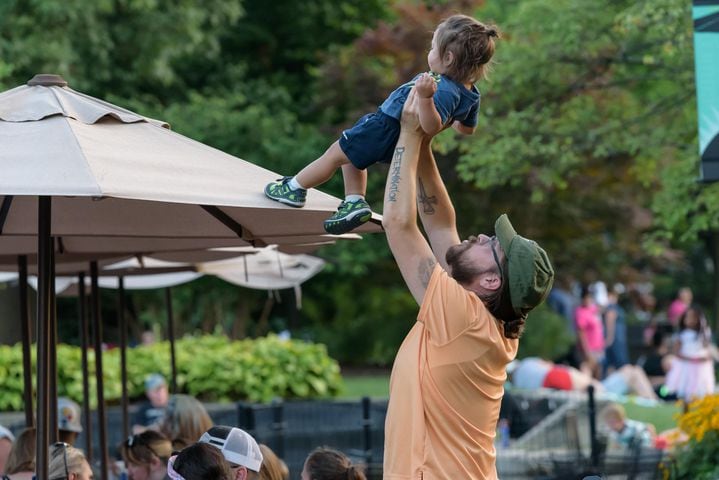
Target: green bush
[546, 335]
[211, 367]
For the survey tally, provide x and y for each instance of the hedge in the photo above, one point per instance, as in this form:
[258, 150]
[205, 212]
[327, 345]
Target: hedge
[210, 367]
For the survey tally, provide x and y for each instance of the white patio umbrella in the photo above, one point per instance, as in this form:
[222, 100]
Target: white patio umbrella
[102, 163]
[76, 167]
[258, 268]
[267, 269]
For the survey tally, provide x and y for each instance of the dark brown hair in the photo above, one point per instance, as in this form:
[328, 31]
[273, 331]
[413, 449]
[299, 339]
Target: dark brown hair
[329, 464]
[202, 461]
[141, 448]
[498, 302]
[502, 309]
[701, 326]
[471, 44]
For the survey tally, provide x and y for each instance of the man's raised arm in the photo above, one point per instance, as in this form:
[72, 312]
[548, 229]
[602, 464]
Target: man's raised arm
[435, 207]
[409, 247]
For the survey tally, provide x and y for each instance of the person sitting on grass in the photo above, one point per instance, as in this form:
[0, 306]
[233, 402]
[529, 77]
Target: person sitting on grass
[624, 433]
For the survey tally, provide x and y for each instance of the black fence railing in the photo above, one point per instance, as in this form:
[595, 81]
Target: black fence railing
[552, 435]
[569, 443]
[292, 429]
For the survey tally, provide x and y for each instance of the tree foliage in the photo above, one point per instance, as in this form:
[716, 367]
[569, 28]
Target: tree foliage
[587, 133]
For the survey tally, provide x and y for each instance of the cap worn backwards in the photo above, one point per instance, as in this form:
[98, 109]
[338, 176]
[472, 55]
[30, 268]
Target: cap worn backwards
[68, 415]
[529, 273]
[236, 445]
[153, 381]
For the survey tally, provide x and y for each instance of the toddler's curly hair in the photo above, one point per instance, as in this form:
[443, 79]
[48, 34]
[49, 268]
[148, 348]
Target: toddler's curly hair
[471, 43]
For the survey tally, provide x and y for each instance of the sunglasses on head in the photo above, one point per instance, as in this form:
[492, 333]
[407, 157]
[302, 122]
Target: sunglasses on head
[493, 241]
[56, 448]
[136, 440]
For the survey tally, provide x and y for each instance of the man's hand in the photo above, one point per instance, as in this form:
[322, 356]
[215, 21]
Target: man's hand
[425, 85]
[429, 118]
[410, 115]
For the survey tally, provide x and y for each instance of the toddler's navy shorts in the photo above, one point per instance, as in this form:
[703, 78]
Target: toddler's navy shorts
[372, 139]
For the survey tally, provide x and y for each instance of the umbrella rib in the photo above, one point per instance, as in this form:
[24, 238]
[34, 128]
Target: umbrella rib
[226, 220]
[4, 210]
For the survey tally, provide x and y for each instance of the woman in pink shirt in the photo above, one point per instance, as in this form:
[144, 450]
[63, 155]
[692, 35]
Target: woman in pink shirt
[590, 333]
[679, 305]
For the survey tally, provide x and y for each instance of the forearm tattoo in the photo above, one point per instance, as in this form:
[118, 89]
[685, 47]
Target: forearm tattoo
[426, 266]
[394, 174]
[425, 200]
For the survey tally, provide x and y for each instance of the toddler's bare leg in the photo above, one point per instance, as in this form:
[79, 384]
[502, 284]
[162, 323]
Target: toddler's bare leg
[322, 169]
[355, 180]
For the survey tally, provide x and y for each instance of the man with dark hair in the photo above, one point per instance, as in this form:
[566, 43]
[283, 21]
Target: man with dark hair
[474, 296]
[239, 448]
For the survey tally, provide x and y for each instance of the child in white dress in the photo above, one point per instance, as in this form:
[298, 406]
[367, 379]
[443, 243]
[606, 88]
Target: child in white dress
[691, 375]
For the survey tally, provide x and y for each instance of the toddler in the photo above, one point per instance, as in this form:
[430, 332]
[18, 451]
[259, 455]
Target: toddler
[461, 50]
[626, 434]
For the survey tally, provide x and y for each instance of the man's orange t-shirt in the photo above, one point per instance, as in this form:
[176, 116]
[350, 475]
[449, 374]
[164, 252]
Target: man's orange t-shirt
[446, 388]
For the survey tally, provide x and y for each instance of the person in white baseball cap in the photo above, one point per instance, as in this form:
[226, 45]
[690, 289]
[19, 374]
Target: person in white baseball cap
[69, 420]
[239, 449]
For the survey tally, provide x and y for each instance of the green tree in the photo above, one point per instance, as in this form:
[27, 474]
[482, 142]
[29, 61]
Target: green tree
[566, 131]
[586, 138]
[120, 48]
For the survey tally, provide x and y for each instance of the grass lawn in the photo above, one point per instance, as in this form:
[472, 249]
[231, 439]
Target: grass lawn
[377, 386]
[370, 385]
[661, 416]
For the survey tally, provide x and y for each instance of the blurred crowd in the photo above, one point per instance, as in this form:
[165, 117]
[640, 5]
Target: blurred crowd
[173, 438]
[664, 355]
[676, 354]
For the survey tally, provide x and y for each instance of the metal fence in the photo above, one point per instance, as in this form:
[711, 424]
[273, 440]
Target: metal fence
[568, 444]
[553, 435]
[293, 429]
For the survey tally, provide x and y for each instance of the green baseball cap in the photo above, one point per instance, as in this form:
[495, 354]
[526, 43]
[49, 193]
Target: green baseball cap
[528, 273]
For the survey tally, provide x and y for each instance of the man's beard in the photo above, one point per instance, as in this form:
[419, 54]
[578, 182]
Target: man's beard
[460, 269]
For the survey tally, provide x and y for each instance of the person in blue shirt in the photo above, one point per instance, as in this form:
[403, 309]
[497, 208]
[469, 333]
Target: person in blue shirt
[460, 56]
[616, 349]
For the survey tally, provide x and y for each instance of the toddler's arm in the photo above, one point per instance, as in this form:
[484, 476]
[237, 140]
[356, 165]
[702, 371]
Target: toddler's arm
[429, 117]
[463, 129]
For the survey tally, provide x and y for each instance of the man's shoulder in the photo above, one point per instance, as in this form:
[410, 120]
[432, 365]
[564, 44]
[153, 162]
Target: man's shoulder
[444, 289]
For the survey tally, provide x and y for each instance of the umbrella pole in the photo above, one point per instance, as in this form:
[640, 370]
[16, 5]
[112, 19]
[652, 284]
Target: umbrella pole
[84, 336]
[54, 436]
[26, 340]
[122, 324]
[171, 337]
[44, 304]
[97, 333]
